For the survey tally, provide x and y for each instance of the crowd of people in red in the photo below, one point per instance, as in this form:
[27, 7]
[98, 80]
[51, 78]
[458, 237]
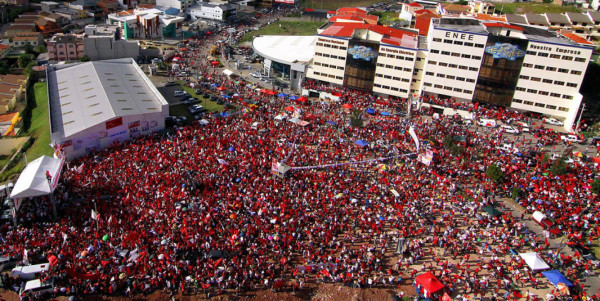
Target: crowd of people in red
[197, 208]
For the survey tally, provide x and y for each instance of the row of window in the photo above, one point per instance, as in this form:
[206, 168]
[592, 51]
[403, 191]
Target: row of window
[390, 88]
[469, 44]
[330, 56]
[545, 93]
[329, 66]
[557, 56]
[453, 77]
[399, 57]
[540, 105]
[331, 46]
[455, 89]
[328, 75]
[548, 81]
[394, 67]
[553, 69]
[443, 64]
[456, 54]
[406, 80]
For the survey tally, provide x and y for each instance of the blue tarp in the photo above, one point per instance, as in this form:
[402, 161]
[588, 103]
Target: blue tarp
[385, 114]
[282, 95]
[224, 114]
[214, 85]
[293, 97]
[332, 122]
[226, 96]
[370, 111]
[556, 277]
[361, 142]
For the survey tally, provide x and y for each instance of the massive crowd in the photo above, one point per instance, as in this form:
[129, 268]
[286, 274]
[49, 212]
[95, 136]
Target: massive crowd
[197, 208]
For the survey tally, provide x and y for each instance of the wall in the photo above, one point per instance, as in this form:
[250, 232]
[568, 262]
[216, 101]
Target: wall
[8, 144]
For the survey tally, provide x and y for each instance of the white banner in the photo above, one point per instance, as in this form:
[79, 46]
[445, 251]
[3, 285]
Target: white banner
[412, 133]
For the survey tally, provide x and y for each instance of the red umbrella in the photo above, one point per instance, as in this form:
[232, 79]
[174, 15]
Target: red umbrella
[215, 63]
[302, 99]
[347, 106]
[271, 92]
[221, 88]
[289, 109]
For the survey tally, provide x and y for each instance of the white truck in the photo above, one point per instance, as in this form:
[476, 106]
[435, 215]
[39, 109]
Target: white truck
[487, 122]
[29, 272]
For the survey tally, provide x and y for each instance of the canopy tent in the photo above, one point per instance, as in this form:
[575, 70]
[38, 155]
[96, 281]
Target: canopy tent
[302, 99]
[293, 97]
[227, 72]
[534, 261]
[282, 95]
[429, 283]
[555, 277]
[361, 142]
[33, 180]
[347, 106]
[370, 111]
[491, 211]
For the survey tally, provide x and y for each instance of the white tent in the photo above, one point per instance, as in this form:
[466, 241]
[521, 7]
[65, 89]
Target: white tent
[227, 72]
[534, 261]
[32, 181]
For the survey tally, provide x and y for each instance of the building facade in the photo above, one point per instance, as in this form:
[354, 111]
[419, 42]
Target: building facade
[103, 42]
[511, 65]
[208, 11]
[65, 47]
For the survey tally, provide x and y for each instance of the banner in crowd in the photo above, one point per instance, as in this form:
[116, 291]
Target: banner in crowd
[412, 133]
[351, 163]
[426, 158]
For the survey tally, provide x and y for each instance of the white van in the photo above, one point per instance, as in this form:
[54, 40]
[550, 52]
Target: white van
[35, 288]
[29, 272]
[487, 122]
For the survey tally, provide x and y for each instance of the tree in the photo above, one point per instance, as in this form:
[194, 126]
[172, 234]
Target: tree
[24, 60]
[28, 48]
[4, 67]
[596, 187]
[29, 69]
[40, 49]
[465, 2]
[559, 167]
[356, 118]
[84, 58]
[495, 173]
[516, 192]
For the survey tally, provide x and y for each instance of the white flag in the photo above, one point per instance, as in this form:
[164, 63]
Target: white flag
[412, 133]
[94, 215]
[25, 257]
[222, 162]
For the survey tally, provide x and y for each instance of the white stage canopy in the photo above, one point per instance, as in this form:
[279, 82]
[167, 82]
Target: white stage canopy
[32, 182]
[534, 261]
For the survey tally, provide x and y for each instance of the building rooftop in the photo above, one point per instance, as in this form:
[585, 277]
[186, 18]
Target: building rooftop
[388, 35]
[285, 49]
[579, 17]
[595, 16]
[537, 19]
[82, 95]
[460, 24]
[557, 18]
[512, 18]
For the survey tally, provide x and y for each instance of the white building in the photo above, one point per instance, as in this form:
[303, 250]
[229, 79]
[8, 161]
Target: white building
[103, 42]
[519, 66]
[178, 4]
[210, 11]
[94, 104]
[146, 22]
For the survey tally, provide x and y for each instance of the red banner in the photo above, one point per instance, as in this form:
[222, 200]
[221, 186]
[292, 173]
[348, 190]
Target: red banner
[134, 124]
[114, 123]
[87, 276]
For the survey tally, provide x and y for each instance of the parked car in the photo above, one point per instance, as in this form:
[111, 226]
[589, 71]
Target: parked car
[509, 129]
[170, 83]
[570, 138]
[545, 223]
[553, 121]
[178, 93]
[255, 74]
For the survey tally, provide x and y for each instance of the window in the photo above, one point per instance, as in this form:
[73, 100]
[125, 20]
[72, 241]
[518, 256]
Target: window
[567, 58]
[536, 79]
[541, 105]
[476, 57]
[572, 85]
[473, 69]
[543, 54]
[468, 44]
[563, 70]
[458, 89]
[551, 68]
[555, 95]
[543, 93]
[448, 41]
[463, 67]
[580, 59]
[440, 75]
[547, 81]
[437, 39]
[435, 51]
[528, 102]
[517, 100]
[567, 96]
[446, 52]
[520, 89]
[532, 91]
[429, 73]
[540, 67]
[447, 88]
[443, 64]
[575, 72]
[531, 52]
[453, 66]
[563, 109]
[523, 77]
[551, 107]
[467, 56]
[427, 84]
[557, 82]
[468, 91]
[450, 76]
[527, 65]
[458, 42]
[456, 54]
[438, 86]
[460, 78]
[479, 45]
[555, 56]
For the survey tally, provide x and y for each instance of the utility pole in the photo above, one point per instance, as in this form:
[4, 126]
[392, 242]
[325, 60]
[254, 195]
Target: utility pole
[579, 119]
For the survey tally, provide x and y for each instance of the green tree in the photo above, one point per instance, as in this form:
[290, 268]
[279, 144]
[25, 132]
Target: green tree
[29, 49]
[356, 118]
[84, 58]
[4, 67]
[29, 69]
[40, 49]
[465, 2]
[559, 167]
[495, 173]
[516, 192]
[596, 187]
[24, 60]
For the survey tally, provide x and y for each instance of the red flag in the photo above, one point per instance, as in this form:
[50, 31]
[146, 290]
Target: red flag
[325, 273]
[205, 285]
[283, 260]
[217, 263]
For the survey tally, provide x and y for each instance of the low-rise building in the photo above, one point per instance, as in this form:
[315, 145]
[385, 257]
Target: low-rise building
[104, 42]
[146, 22]
[209, 11]
[65, 47]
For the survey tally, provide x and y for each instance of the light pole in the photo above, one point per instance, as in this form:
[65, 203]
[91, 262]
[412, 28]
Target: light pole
[49, 179]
